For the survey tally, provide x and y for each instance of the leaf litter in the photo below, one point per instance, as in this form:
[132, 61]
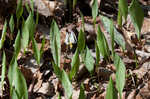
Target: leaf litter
[46, 83]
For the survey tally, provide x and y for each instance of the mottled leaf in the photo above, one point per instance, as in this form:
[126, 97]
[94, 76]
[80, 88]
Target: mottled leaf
[17, 45]
[19, 10]
[112, 37]
[117, 36]
[89, 60]
[25, 37]
[111, 93]
[3, 70]
[120, 74]
[81, 41]
[94, 9]
[42, 47]
[102, 44]
[3, 35]
[20, 84]
[137, 16]
[82, 93]
[74, 64]
[66, 84]
[36, 51]
[11, 24]
[123, 6]
[57, 71]
[55, 43]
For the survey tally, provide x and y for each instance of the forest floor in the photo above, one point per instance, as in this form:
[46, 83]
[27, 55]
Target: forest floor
[41, 80]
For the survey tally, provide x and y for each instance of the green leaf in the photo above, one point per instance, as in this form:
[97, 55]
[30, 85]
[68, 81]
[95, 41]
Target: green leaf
[37, 18]
[14, 94]
[20, 84]
[94, 9]
[119, 19]
[59, 97]
[36, 51]
[57, 70]
[120, 74]
[3, 71]
[112, 37]
[82, 17]
[74, 3]
[17, 80]
[11, 24]
[82, 94]
[123, 6]
[27, 7]
[3, 34]
[17, 45]
[74, 64]
[42, 47]
[137, 16]
[30, 24]
[117, 36]
[25, 37]
[102, 44]
[27, 31]
[97, 54]
[89, 60]
[19, 10]
[66, 84]
[55, 42]
[11, 73]
[32, 6]
[81, 41]
[111, 92]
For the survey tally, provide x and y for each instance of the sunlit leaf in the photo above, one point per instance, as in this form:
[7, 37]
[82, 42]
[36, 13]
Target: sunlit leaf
[25, 37]
[123, 6]
[30, 24]
[55, 43]
[137, 16]
[81, 41]
[94, 9]
[36, 51]
[17, 45]
[111, 92]
[117, 36]
[66, 84]
[14, 94]
[102, 44]
[82, 94]
[3, 35]
[27, 7]
[89, 60]
[19, 10]
[17, 80]
[11, 73]
[20, 84]
[32, 6]
[74, 64]
[11, 24]
[3, 71]
[120, 74]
